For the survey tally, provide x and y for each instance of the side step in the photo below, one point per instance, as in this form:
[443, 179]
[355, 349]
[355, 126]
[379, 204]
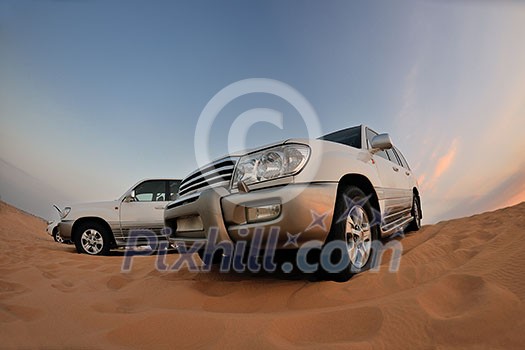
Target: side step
[394, 226]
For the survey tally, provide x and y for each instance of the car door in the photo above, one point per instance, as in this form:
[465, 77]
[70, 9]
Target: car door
[145, 211]
[394, 184]
[411, 180]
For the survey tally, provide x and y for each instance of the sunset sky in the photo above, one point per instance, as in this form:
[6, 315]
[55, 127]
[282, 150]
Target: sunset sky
[95, 95]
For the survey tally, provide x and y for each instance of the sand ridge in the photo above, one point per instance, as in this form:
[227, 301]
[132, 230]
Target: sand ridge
[460, 285]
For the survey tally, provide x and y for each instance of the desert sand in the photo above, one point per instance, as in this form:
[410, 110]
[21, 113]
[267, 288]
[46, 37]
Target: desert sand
[461, 284]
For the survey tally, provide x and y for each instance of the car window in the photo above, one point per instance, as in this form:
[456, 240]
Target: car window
[350, 137]
[402, 158]
[382, 154]
[149, 191]
[173, 189]
[392, 156]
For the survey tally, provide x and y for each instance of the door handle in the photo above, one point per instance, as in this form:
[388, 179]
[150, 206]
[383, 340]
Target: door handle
[160, 207]
[395, 168]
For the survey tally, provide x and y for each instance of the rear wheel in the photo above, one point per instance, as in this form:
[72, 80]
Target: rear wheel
[92, 238]
[57, 237]
[354, 232]
[415, 224]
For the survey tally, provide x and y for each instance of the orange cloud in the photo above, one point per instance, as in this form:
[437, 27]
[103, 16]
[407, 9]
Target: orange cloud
[421, 179]
[518, 198]
[445, 161]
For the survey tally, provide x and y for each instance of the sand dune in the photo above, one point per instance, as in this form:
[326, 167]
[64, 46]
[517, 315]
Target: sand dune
[461, 284]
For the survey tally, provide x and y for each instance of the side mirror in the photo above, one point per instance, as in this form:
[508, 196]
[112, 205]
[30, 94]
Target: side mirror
[381, 142]
[131, 197]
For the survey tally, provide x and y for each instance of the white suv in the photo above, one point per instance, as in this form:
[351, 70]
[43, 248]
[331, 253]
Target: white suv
[352, 186]
[97, 227]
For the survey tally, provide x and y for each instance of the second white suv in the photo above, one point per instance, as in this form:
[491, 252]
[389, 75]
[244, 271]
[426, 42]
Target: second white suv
[97, 227]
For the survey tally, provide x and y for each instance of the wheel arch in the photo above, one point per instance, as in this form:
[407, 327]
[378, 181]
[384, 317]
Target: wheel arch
[363, 183]
[83, 220]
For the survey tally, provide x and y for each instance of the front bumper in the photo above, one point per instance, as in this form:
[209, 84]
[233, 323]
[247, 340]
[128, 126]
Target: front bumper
[306, 212]
[64, 227]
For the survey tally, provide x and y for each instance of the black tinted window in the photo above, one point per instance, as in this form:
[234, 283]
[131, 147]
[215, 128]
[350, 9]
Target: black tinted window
[350, 137]
[151, 191]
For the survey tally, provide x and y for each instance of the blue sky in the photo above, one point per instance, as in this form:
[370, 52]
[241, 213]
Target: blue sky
[95, 95]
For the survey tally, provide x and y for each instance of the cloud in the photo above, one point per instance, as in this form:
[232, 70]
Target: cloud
[509, 192]
[516, 199]
[443, 164]
[445, 161]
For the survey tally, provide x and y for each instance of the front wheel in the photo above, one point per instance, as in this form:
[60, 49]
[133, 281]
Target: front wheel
[349, 248]
[93, 239]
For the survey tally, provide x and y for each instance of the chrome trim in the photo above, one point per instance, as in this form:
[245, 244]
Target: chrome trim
[395, 225]
[216, 174]
[183, 199]
[204, 181]
[203, 177]
[392, 193]
[209, 165]
[187, 241]
[397, 213]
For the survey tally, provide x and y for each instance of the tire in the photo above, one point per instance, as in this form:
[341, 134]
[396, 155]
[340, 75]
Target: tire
[359, 243]
[92, 238]
[57, 237]
[415, 224]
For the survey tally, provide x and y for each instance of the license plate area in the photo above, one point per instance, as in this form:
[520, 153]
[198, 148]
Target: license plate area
[190, 223]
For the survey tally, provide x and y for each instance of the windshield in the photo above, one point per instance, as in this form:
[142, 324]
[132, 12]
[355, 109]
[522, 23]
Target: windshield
[350, 137]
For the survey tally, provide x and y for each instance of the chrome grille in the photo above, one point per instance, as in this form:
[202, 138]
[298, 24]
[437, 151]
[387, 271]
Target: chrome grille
[216, 174]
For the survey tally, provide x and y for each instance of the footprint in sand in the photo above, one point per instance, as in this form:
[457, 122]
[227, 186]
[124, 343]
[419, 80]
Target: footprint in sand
[461, 301]
[453, 295]
[8, 289]
[121, 306]
[214, 289]
[48, 275]
[348, 325]
[65, 286]
[118, 282]
[11, 313]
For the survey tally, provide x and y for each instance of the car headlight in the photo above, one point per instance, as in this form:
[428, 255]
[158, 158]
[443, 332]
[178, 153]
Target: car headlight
[271, 164]
[65, 212]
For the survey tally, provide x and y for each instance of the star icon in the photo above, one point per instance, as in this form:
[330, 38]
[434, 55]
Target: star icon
[317, 220]
[292, 239]
[349, 205]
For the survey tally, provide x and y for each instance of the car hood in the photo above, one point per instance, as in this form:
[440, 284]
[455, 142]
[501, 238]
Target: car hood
[103, 209]
[269, 145]
[92, 204]
[313, 143]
